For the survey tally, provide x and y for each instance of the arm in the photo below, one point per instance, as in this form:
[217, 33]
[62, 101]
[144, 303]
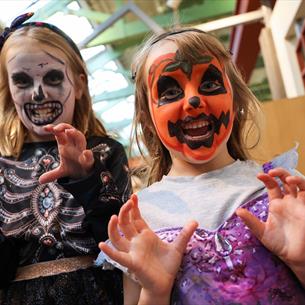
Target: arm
[284, 231]
[103, 192]
[153, 262]
[132, 291]
[88, 177]
[117, 164]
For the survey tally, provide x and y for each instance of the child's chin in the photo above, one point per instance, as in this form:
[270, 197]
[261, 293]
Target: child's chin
[41, 133]
[197, 156]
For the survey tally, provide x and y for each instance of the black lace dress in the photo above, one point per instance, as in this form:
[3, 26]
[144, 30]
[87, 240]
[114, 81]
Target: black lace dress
[46, 222]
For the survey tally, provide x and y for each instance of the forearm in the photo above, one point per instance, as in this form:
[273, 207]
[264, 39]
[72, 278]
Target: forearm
[148, 298]
[98, 197]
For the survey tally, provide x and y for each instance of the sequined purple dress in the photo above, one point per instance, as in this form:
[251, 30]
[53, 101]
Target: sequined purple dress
[230, 266]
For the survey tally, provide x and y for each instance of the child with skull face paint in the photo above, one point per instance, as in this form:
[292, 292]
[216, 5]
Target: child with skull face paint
[49, 230]
[248, 244]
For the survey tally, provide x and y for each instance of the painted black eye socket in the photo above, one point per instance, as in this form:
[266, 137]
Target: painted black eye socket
[169, 90]
[171, 94]
[212, 82]
[53, 78]
[209, 86]
[22, 80]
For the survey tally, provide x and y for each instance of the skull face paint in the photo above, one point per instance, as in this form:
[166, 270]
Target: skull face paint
[191, 104]
[41, 86]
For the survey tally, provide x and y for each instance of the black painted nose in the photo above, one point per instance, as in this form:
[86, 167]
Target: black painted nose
[194, 101]
[38, 97]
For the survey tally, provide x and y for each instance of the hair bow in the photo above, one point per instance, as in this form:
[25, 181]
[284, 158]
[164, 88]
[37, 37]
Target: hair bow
[14, 25]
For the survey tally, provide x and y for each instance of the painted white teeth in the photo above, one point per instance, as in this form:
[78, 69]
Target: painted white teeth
[194, 125]
[43, 113]
[198, 138]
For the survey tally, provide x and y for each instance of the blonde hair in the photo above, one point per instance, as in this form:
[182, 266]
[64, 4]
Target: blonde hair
[12, 132]
[191, 43]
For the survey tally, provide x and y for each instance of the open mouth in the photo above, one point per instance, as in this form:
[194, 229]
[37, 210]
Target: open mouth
[43, 114]
[198, 131]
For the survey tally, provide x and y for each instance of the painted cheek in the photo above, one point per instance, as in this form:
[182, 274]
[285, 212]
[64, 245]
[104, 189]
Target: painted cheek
[219, 104]
[161, 116]
[64, 92]
[20, 97]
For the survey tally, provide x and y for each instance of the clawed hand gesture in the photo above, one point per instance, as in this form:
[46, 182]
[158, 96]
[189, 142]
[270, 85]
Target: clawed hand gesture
[75, 160]
[284, 231]
[153, 262]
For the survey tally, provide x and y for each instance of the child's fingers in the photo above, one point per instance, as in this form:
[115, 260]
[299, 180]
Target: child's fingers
[120, 257]
[61, 131]
[139, 222]
[117, 240]
[278, 172]
[51, 175]
[61, 138]
[274, 190]
[185, 235]
[299, 182]
[86, 160]
[49, 128]
[59, 135]
[282, 174]
[77, 138]
[254, 224]
[62, 127]
[125, 222]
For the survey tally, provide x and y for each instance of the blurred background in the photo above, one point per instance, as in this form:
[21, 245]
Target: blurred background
[266, 38]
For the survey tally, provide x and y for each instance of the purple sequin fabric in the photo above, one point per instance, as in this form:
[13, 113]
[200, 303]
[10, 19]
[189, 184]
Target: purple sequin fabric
[230, 266]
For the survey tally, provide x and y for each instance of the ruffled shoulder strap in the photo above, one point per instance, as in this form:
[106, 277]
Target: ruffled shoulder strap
[288, 160]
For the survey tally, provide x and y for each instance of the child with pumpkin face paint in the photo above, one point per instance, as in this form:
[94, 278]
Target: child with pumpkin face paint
[50, 229]
[247, 244]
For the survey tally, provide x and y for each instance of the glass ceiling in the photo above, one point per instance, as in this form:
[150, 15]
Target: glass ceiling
[111, 90]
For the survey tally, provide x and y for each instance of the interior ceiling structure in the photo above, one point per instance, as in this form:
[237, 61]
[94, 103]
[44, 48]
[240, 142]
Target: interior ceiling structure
[117, 29]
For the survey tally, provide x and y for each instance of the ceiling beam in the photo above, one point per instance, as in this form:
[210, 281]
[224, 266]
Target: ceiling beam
[89, 14]
[99, 60]
[129, 7]
[244, 39]
[228, 22]
[50, 9]
[196, 13]
[113, 95]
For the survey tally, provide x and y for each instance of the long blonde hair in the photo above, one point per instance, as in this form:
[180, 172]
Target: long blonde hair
[12, 132]
[190, 43]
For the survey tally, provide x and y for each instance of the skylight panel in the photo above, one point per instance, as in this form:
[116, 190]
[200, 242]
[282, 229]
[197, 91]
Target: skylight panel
[78, 28]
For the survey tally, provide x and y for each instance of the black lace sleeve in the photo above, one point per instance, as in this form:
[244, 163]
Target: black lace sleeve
[104, 191]
[9, 259]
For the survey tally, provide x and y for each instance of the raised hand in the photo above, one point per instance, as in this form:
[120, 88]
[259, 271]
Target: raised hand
[75, 160]
[284, 231]
[153, 262]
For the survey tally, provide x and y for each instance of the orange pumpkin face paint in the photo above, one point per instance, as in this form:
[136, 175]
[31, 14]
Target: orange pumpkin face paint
[191, 104]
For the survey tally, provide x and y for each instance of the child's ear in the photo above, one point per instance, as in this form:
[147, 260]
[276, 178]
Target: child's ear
[79, 86]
